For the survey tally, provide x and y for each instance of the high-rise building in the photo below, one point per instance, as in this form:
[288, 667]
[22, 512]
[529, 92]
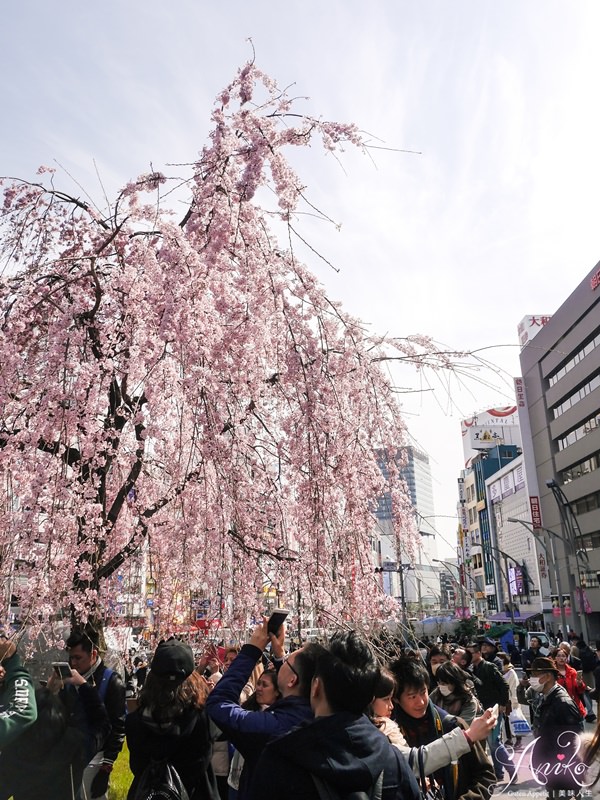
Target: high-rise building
[560, 398]
[420, 577]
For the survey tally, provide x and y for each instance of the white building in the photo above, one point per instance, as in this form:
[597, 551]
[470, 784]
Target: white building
[416, 581]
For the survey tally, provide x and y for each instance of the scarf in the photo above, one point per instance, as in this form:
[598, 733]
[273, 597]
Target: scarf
[419, 732]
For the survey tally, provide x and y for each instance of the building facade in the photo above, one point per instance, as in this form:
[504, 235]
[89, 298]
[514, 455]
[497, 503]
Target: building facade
[561, 399]
[414, 581]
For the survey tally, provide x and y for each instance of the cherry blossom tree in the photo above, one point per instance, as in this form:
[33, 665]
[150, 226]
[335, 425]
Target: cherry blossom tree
[183, 390]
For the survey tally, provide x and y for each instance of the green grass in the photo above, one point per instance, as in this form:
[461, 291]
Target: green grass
[120, 777]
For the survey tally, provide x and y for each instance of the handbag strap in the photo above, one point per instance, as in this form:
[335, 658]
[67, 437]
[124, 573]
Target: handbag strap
[437, 791]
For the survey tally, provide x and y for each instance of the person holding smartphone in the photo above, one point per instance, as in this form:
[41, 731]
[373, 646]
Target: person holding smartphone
[248, 731]
[48, 759]
[84, 657]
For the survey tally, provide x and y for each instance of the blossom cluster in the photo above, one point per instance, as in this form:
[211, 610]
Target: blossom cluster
[184, 393]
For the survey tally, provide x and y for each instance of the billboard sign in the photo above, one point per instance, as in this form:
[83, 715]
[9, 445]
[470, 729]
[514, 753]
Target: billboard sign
[530, 326]
[490, 428]
[536, 514]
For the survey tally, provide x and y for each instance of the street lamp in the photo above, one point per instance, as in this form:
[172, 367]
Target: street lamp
[504, 573]
[571, 534]
[538, 538]
[393, 566]
[451, 566]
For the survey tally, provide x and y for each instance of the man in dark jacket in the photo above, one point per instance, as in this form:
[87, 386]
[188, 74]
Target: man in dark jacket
[492, 689]
[82, 647]
[557, 723]
[250, 731]
[340, 751]
[528, 656]
[17, 697]
[489, 651]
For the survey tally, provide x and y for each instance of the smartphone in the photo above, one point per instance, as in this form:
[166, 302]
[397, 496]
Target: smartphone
[495, 710]
[276, 620]
[62, 669]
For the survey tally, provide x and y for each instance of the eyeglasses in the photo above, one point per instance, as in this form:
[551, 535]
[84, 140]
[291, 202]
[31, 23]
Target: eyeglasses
[291, 666]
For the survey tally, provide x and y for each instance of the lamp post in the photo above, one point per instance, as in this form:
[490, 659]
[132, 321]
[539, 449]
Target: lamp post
[504, 572]
[571, 533]
[531, 529]
[461, 587]
[394, 566]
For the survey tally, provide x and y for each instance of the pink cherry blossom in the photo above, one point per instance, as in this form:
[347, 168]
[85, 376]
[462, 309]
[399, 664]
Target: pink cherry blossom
[180, 396]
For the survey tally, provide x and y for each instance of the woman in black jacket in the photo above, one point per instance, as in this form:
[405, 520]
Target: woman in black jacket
[171, 723]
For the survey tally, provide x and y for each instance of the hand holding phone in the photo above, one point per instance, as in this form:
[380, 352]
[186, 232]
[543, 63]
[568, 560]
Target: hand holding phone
[276, 620]
[62, 669]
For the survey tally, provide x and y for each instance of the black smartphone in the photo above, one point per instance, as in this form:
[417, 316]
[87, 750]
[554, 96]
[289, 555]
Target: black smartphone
[276, 620]
[62, 669]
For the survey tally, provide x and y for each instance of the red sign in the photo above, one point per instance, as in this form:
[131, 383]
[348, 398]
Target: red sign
[595, 280]
[536, 514]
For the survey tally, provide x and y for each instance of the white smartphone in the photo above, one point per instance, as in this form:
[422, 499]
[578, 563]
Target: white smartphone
[495, 710]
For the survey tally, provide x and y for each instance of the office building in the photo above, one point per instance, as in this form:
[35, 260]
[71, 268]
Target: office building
[559, 397]
[416, 580]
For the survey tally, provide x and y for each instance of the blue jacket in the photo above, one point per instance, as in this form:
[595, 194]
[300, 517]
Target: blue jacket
[250, 731]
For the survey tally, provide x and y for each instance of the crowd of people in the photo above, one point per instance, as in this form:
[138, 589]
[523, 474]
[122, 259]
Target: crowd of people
[337, 719]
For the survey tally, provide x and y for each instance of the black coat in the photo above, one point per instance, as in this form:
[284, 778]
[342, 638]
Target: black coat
[557, 723]
[345, 750]
[492, 688]
[529, 656]
[185, 742]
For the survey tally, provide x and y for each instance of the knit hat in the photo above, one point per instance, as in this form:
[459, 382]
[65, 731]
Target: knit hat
[489, 641]
[173, 660]
[543, 664]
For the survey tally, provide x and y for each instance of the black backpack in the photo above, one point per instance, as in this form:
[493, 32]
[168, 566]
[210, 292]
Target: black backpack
[160, 781]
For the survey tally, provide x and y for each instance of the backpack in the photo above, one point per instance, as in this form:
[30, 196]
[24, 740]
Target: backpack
[160, 781]
[589, 659]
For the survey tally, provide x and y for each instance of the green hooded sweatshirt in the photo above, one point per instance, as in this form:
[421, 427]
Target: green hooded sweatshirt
[17, 701]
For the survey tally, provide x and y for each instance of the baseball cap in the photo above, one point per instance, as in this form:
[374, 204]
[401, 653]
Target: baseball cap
[173, 660]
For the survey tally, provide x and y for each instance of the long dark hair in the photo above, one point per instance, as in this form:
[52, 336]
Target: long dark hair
[452, 673]
[166, 701]
[386, 684]
[251, 704]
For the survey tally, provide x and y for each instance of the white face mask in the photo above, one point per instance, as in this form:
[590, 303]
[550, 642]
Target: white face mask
[445, 689]
[536, 684]
[435, 667]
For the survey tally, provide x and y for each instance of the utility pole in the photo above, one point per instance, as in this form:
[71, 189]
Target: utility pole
[552, 559]
[457, 580]
[504, 573]
[571, 533]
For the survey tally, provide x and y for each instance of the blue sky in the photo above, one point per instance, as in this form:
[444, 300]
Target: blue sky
[496, 217]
